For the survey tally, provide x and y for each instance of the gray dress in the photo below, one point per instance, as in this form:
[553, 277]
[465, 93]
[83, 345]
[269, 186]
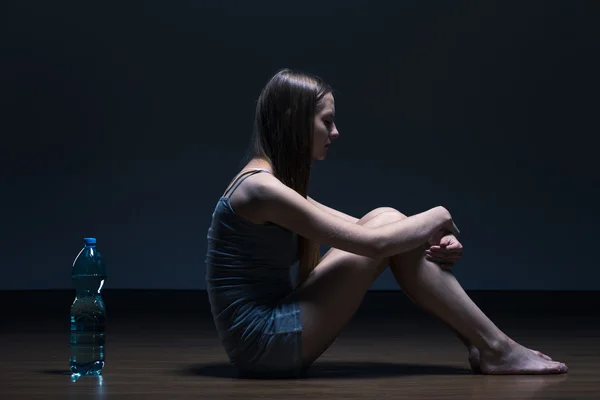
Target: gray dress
[250, 290]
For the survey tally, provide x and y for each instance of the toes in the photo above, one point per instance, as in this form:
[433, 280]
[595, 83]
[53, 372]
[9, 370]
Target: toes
[563, 367]
[559, 367]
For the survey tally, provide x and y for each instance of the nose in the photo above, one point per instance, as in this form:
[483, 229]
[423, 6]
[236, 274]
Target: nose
[334, 133]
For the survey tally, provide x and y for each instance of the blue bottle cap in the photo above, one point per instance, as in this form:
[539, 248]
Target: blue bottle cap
[89, 241]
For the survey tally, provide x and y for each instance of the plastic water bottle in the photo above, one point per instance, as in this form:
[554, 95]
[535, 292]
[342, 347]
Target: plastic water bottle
[88, 313]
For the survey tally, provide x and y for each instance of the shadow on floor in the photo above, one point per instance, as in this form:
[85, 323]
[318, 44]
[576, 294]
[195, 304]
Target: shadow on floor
[336, 370]
[56, 372]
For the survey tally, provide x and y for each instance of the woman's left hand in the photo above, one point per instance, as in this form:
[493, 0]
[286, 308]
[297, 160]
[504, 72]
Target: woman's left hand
[446, 253]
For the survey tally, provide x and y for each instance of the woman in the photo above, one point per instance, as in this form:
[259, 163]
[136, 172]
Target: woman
[265, 222]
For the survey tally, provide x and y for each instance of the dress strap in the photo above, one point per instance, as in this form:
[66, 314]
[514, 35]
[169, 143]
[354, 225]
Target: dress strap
[240, 178]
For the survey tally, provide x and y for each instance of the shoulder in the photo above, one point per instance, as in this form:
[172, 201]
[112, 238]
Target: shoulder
[264, 198]
[258, 186]
[267, 194]
[258, 194]
[266, 187]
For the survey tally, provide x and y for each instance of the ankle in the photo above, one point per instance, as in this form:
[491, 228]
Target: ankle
[497, 347]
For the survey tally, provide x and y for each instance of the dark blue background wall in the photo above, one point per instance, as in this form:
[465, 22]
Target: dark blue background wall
[127, 120]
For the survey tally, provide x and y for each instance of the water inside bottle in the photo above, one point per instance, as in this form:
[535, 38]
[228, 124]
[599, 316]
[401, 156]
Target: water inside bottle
[88, 323]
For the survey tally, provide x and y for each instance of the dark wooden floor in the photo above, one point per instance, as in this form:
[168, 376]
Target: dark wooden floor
[163, 345]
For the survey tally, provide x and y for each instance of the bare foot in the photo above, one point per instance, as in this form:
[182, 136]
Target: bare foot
[476, 364]
[516, 359]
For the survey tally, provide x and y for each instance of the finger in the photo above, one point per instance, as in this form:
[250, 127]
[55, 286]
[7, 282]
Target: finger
[454, 247]
[449, 256]
[443, 252]
[454, 244]
[445, 249]
[453, 258]
[438, 248]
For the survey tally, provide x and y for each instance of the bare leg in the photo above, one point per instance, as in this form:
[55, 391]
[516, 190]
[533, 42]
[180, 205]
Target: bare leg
[396, 263]
[438, 291]
[334, 290]
[474, 355]
[473, 350]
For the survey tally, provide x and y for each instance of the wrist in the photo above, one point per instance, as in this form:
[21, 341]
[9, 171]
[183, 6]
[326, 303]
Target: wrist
[444, 218]
[446, 224]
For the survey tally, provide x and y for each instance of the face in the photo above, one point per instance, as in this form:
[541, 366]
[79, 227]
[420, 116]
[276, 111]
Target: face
[325, 130]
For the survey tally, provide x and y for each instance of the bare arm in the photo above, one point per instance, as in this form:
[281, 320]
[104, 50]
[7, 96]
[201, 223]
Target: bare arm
[281, 205]
[333, 211]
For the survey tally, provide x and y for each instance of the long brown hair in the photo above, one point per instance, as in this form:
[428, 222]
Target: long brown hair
[283, 136]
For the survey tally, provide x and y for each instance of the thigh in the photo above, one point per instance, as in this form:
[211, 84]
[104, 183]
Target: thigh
[334, 290]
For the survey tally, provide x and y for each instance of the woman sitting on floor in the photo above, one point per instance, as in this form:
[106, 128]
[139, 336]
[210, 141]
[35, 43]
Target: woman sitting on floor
[265, 222]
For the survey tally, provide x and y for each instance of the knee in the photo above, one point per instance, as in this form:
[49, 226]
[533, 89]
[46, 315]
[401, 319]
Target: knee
[389, 212]
[381, 216]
